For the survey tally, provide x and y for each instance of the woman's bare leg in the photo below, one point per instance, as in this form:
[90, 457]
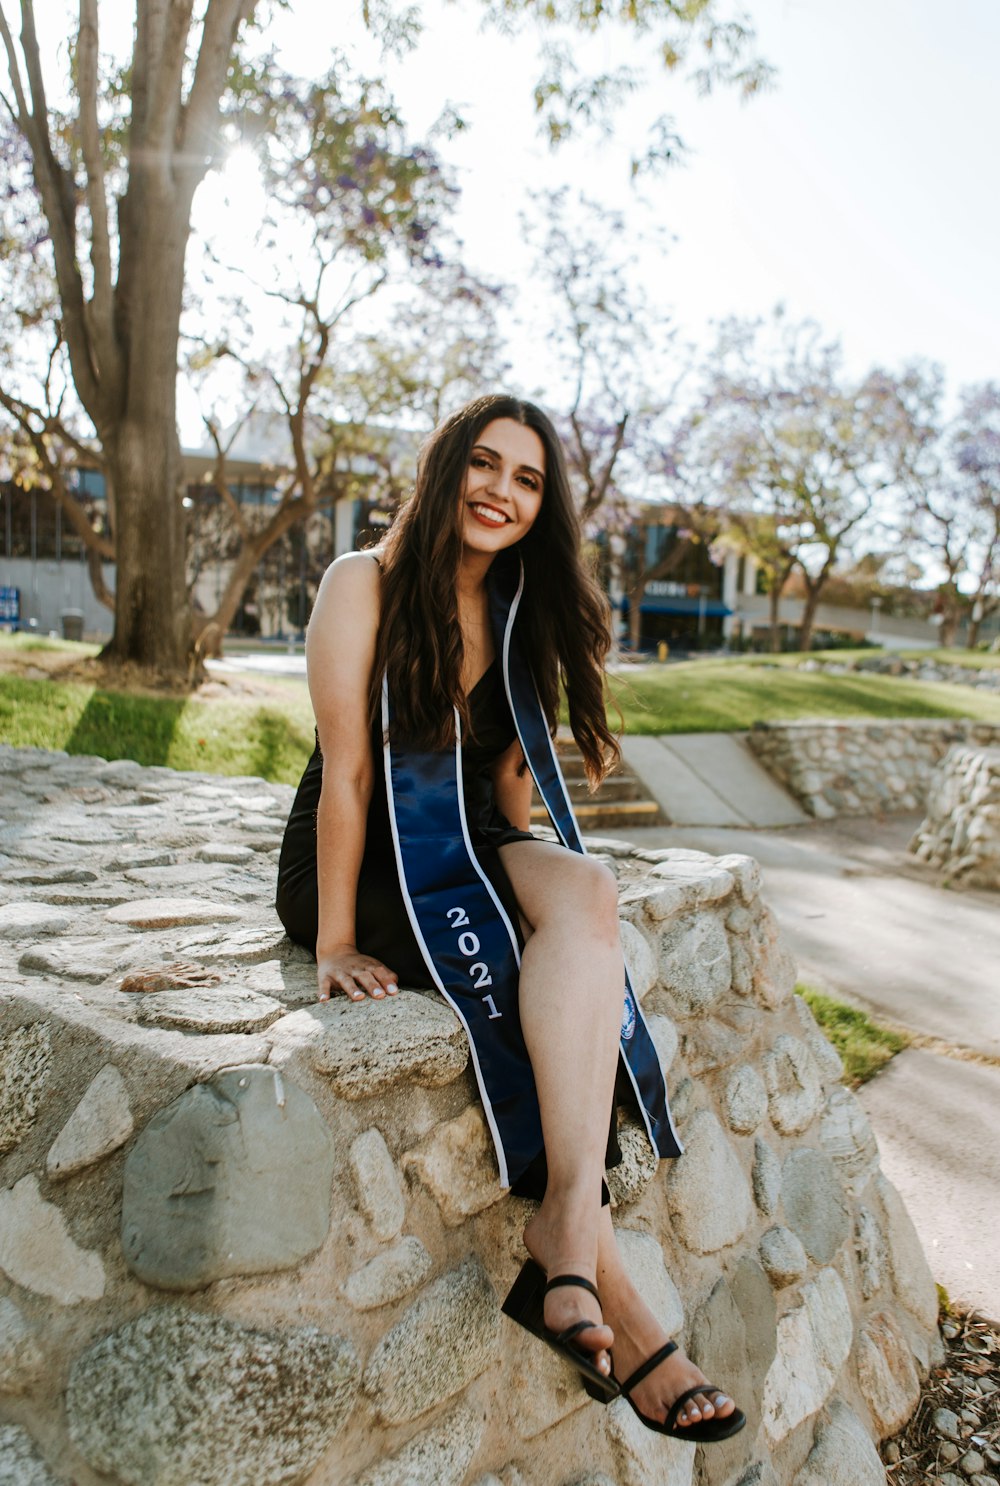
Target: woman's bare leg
[571, 998]
[638, 1335]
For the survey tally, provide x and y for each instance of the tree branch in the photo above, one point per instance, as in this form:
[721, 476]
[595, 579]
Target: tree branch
[101, 308]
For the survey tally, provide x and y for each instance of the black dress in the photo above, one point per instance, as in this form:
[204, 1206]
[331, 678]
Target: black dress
[382, 924]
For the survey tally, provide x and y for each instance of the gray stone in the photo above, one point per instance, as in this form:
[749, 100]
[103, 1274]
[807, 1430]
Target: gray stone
[665, 1039]
[761, 1473]
[695, 962]
[20, 1463]
[743, 969]
[773, 967]
[639, 957]
[208, 1401]
[702, 882]
[745, 1100]
[872, 1253]
[38, 1252]
[214, 1009]
[814, 1342]
[843, 1454]
[643, 1458]
[912, 1278]
[825, 1055]
[447, 1337]
[180, 875]
[230, 855]
[101, 1122]
[389, 1276]
[638, 1166]
[886, 1374]
[25, 1058]
[739, 920]
[845, 1133]
[710, 1044]
[88, 960]
[376, 1181]
[783, 1257]
[642, 1255]
[166, 913]
[719, 1346]
[707, 1192]
[24, 920]
[541, 1390]
[21, 1360]
[231, 1178]
[766, 1178]
[745, 872]
[814, 1205]
[947, 1422]
[440, 1456]
[456, 1164]
[793, 1085]
[367, 1047]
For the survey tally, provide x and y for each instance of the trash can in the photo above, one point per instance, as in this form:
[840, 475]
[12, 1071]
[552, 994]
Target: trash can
[72, 624]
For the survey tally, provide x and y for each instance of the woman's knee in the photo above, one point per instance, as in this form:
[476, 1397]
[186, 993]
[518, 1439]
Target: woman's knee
[594, 891]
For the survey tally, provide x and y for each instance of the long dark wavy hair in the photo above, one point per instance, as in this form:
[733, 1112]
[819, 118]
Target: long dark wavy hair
[564, 618]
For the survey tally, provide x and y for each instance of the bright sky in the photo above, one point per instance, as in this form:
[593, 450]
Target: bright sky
[863, 191]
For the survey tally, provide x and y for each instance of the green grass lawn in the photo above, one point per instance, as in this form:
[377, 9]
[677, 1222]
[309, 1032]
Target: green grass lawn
[273, 737]
[864, 1046]
[710, 696]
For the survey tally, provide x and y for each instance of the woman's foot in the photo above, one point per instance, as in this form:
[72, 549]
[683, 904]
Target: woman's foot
[559, 1241]
[638, 1335]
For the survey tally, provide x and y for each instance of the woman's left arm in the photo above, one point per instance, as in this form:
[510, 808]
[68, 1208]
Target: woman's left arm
[512, 787]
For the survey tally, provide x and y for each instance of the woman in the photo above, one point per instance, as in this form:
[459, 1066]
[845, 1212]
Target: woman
[408, 858]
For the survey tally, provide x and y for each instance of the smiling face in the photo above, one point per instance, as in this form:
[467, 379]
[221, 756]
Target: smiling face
[502, 492]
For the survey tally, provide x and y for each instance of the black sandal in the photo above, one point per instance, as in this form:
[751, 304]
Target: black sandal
[705, 1432]
[525, 1305]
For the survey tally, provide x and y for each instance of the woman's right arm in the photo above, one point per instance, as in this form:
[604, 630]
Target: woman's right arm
[340, 654]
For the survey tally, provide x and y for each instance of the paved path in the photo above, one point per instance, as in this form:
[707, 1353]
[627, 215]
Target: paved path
[709, 779]
[866, 921]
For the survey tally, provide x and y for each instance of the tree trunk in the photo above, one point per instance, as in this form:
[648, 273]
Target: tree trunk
[774, 603]
[948, 633]
[635, 597]
[152, 625]
[809, 615]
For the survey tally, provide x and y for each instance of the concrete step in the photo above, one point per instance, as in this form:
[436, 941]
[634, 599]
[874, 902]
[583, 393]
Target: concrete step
[597, 816]
[621, 801]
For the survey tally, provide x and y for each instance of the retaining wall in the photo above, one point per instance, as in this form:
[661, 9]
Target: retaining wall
[246, 1238]
[857, 767]
[961, 831]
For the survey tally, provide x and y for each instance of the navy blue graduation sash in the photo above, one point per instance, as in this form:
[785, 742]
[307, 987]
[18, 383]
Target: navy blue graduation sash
[466, 937]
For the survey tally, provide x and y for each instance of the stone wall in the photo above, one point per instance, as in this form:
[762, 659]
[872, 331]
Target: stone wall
[246, 1239]
[961, 831]
[860, 767]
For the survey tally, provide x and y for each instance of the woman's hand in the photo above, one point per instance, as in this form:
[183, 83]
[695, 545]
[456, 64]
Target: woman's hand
[345, 968]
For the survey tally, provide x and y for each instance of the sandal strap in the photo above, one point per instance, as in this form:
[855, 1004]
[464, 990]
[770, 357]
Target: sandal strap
[572, 1279]
[678, 1403]
[563, 1337]
[645, 1368]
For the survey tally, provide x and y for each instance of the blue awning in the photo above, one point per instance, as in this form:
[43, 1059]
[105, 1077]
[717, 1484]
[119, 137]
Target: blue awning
[681, 604]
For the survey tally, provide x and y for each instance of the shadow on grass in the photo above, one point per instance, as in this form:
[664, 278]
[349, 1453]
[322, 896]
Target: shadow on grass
[116, 724]
[281, 747]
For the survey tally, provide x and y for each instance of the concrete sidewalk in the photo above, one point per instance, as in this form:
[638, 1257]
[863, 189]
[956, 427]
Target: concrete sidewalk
[865, 921]
[709, 779]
